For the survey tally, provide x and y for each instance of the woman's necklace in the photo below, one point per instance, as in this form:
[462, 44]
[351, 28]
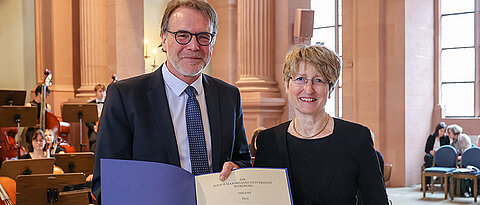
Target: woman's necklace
[324, 126]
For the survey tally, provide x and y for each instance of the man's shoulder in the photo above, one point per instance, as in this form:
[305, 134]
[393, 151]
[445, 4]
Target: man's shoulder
[137, 83]
[218, 83]
[135, 80]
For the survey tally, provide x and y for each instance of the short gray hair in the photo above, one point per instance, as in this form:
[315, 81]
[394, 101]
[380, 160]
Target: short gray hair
[456, 129]
[326, 62]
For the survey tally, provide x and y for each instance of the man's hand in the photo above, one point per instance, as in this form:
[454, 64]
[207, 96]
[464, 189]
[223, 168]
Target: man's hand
[432, 152]
[227, 169]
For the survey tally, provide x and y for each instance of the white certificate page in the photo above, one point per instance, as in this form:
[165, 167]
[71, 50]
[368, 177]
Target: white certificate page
[244, 186]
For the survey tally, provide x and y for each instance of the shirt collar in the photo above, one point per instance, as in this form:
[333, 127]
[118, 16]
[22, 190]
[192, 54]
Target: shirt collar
[177, 85]
[99, 100]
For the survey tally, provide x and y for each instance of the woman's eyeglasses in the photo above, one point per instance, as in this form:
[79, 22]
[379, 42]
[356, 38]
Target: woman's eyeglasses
[302, 81]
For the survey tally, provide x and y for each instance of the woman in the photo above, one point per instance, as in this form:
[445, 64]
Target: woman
[36, 146]
[52, 143]
[434, 141]
[327, 158]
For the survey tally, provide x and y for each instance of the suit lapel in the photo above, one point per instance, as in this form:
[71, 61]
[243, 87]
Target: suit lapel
[211, 97]
[158, 102]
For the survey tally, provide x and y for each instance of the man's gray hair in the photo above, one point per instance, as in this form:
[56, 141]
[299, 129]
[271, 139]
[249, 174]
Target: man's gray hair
[199, 5]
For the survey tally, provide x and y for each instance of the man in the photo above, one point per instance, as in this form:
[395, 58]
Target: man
[36, 102]
[156, 117]
[38, 99]
[92, 126]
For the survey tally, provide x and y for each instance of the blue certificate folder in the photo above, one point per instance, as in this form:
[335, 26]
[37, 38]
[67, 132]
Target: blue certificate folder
[139, 182]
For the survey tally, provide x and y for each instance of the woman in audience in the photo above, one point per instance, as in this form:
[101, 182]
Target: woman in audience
[36, 146]
[460, 140]
[327, 158]
[434, 141]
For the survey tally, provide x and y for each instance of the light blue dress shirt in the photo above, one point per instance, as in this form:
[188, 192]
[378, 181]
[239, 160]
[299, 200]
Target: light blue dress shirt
[177, 101]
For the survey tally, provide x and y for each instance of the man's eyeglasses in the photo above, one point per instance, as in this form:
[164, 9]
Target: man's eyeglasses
[302, 81]
[184, 37]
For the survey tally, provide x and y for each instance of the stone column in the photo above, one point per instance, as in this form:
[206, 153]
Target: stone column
[125, 38]
[93, 46]
[262, 102]
[225, 54]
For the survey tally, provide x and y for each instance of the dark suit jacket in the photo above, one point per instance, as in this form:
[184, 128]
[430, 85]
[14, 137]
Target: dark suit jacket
[90, 125]
[91, 128]
[431, 141]
[136, 124]
[355, 164]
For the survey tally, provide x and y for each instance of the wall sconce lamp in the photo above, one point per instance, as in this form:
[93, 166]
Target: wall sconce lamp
[154, 58]
[145, 43]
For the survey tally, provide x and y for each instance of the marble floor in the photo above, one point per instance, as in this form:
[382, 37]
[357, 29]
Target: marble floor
[413, 196]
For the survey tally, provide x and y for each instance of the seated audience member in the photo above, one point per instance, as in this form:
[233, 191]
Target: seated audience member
[381, 160]
[460, 140]
[381, 163]
[328, 159]
[36, 147]
[434, 141]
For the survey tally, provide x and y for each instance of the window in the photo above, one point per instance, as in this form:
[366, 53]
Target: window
[327, 30]
[459, 57]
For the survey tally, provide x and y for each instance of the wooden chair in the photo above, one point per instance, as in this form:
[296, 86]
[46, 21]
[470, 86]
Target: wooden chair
[387, 173]
[471, 157]
[445, 162]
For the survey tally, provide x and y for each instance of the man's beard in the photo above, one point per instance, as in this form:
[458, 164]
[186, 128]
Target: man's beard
[188, 74]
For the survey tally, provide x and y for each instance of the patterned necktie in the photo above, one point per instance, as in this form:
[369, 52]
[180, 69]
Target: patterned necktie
[196, 136]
